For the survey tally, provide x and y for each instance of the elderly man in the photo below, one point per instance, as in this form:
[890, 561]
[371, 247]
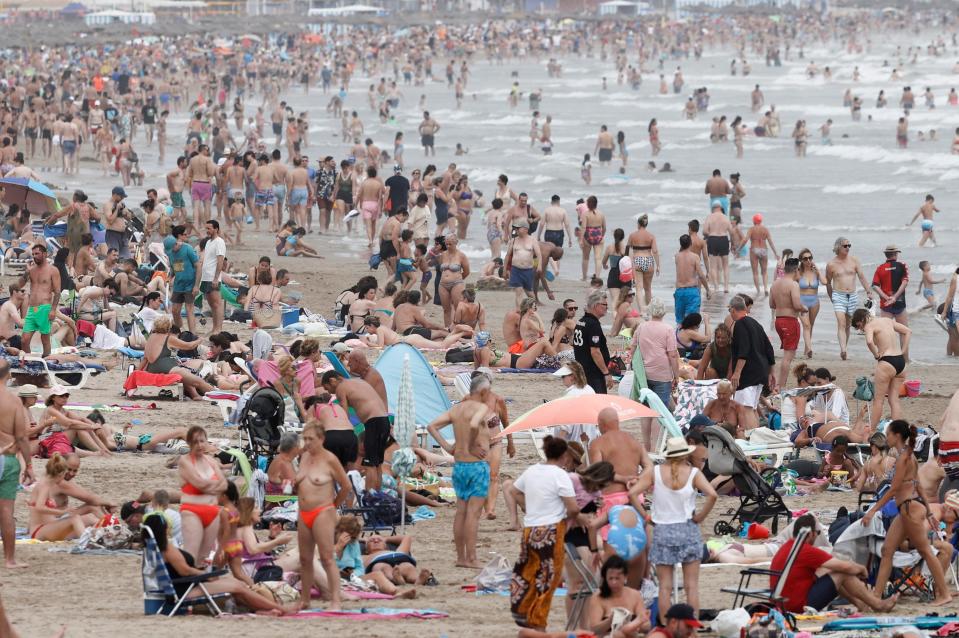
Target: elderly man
[359, 366]
[589, 343]
[724, 409]
[841, 274]
[753, 361]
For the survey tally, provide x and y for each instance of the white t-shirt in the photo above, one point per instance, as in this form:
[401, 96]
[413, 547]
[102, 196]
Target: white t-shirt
[214, 248]
[545, 486]
[148, 315]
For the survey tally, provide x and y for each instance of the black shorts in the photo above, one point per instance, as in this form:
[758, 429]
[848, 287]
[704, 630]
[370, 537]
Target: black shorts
[554, 237]
[181, 297]
[343, 444]
[206, 287]
[387, 249]
[822, 592]
[376, 437]
[717, 246]
[426, 333]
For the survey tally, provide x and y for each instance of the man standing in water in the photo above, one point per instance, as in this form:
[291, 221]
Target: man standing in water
[13, 443]
[841, 273]
[719, 191]
[45, 285]
[604, 146]
[926, 211]
[555, 227]
[428, 130]
[470, 468]
[785, 302]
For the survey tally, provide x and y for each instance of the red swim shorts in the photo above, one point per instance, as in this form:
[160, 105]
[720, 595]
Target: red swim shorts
[789, 330]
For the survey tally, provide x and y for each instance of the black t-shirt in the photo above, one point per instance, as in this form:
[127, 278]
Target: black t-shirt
[588, 334]
[399, 192]
[751, 343]
[149, 114]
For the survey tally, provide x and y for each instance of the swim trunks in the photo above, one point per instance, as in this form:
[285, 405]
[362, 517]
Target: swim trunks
[717, 246]
[299, 196]
[69, 147]
[686, 301]
[427, 141]
[605, 154]
[521, 278]
[789, 329]
[9, 477]
[949, 458]
[370, 209]
[470, 480]
[201, 191]
[404, 265]
[554, 237]
[927, 224]
[264, 198]
[421, 331]
[387, 249]
[343, 444]
[376, 435]
[279, 193]
[177, 200]
[38, 319]
[845, 302]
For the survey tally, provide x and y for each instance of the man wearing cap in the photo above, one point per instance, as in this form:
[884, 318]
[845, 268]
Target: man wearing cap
[680, 623]
[889, 282]
[397, 191]
[522, 253]
[13, 444]
[116, 222]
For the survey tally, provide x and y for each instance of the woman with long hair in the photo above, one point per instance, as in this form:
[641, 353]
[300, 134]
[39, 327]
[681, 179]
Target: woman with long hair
[718, 355]
[588, 484]
[606, 605]
[913, 510]
[497, 421]
[626, 316]
[594, 230]
[202, 483]
[809, 280]
[462, 195]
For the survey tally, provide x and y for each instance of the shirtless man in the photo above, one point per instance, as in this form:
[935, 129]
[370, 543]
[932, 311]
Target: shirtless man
[200, 173]
[235, 179]
[550, 253]
[724, 408]
[19, 170]
[371, 199]
[520, 256]
[15, 451]
[175, 180]
[42, 302]
[927, 211]
[428, 129]
[555, 226]
[698, 244]
[717, 230]
[359, 366]
[408, 319]
[471, 472]
[890, 362]
[841, 273]
[371, 409]
[689, 277]
[949, 442]
[69, 141]
[760, 243]
[785, 302]
[280, 173]
[719, 191]
[757, 99]
[605, 144]
[522, 210]
[511, 333]
[264, 200]
[10, 318]
[300, 187]
[629, 458]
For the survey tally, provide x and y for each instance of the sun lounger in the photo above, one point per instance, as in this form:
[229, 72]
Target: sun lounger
[72, 375]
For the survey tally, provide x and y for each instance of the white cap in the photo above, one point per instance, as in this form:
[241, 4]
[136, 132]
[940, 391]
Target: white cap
[340, 347]
[563, 372]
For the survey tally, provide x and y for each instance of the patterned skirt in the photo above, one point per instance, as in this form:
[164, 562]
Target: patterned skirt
[537, 573]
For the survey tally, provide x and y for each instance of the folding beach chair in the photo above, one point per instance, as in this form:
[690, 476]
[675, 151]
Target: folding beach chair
[159, 592]
[589, 587]
[773, 597]
[375, 519]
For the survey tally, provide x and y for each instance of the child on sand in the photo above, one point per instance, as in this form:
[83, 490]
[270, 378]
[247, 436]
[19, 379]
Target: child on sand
[422, 264]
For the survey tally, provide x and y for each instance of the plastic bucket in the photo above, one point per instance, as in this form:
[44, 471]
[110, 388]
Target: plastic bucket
[913, 388]
[290, 316]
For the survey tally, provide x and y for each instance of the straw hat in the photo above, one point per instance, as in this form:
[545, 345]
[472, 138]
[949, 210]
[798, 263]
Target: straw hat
[952, 499]
[58, 391]
[677, 447]
[27, 390]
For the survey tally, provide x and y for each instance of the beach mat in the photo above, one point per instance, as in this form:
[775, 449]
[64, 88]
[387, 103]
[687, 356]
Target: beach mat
[526, 370]
[879, 622]
[373, 613]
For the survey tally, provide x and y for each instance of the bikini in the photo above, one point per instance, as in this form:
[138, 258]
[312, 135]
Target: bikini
[233, 548]
[643, 263]
[809, 299]
[393, 559]
[50, 504]
[593, 235]
[897, 361]
[450, 285]
[206, 513]
[308, 517]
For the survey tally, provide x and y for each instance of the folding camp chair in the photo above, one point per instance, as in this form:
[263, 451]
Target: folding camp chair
[773, 597]
[159, 588]
[374, 521]
[589, 587]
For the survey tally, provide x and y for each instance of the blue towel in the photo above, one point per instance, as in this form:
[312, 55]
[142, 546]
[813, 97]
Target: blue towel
[130, 352]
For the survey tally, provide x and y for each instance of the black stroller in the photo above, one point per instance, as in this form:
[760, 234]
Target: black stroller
[758, 500]
[261, 425]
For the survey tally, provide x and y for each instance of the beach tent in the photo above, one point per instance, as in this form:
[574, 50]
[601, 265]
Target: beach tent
[428, 394]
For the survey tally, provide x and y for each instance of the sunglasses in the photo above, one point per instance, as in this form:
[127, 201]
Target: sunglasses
[807, 258]
[570, 308]
[847, 245]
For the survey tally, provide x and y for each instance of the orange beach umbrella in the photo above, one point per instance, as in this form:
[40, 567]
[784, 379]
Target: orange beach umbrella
[579, 409]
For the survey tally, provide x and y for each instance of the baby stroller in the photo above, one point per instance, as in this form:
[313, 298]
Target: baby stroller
[758, 500]
[261, 425]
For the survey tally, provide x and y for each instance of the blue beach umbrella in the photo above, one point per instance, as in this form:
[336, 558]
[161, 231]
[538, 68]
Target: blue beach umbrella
[30, 194]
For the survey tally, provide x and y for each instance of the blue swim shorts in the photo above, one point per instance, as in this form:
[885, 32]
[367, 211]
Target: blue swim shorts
[521, 278]
[927, 224]
[686, 301]
[470, 480]
[722, 200]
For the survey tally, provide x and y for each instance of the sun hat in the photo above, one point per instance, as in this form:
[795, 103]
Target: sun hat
[951, 499]
[563, 372]
[59, 391]
[892, 248]
[676, 447]
[341, 348]
[27, 390]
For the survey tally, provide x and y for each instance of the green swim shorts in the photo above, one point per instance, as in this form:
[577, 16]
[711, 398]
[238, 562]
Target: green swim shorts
[9, 477]
[177, 200]
[38, 319]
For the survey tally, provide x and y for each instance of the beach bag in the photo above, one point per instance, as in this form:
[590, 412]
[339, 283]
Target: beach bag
[268, 573]
[267, 318]
[729, 622]
[495, 575]
[865, 390]
[463, 354]
[375, 261]
[625, 269]
[279, 591]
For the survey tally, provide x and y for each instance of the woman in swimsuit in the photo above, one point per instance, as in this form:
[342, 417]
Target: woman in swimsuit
[463, 196]
[594, 230]
[653, 130]
[626, 315]
[441, 207]
[616, 609]
[79, 430]
[322, 486]
[158, 357]
[454, 269]
[690, 342]
[809, 280]
[913, 511]
[470, 312]
[203, 481]
[340, 438]
[504, 192]
[264, 295]
[717, 358]
[611, 256]
[363, 306]
[343, 187]
[386, 304]
[281, 473]
[382, 337]
[561, 331]
[48, 521]
[642, 244]
[288, 387]
[498, 420]
[398, 565]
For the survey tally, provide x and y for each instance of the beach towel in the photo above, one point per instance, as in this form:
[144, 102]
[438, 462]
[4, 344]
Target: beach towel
[267, 372]
[373, 613]
[692, 399]
[142, 378]
[526, 370]
[106, 339]
[878, 622]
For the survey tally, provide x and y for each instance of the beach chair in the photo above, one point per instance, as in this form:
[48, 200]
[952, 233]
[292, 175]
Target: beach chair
[159, 592]
[71, 379]
[374, 520]
[773, 597]
[589, 587]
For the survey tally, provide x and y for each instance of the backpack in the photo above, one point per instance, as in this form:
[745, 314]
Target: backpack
[460, 355]
[386, 509]
[375, 261]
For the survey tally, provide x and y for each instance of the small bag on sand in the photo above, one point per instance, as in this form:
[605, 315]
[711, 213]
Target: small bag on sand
[495, 575]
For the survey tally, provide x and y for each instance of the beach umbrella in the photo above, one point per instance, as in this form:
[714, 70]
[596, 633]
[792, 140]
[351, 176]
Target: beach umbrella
[404, 427]
[28, 193]
[580, 409]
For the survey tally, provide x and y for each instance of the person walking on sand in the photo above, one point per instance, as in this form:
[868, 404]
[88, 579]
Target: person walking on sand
[45, 289]
[14, 455]
[890, 360]
[760, 243]
[471, 472]
[786, 303]
[841, 274]
[890, 282]
[927, 211]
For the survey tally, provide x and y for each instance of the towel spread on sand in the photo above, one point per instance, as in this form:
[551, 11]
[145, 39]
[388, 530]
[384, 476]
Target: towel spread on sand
[373, 613]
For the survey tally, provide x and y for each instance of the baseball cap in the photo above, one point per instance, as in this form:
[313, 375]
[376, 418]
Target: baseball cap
[340, 348]
[27, 390]
[563, 372]
[130, 508]
[684, 612]
[59, 391]
[118, 190]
